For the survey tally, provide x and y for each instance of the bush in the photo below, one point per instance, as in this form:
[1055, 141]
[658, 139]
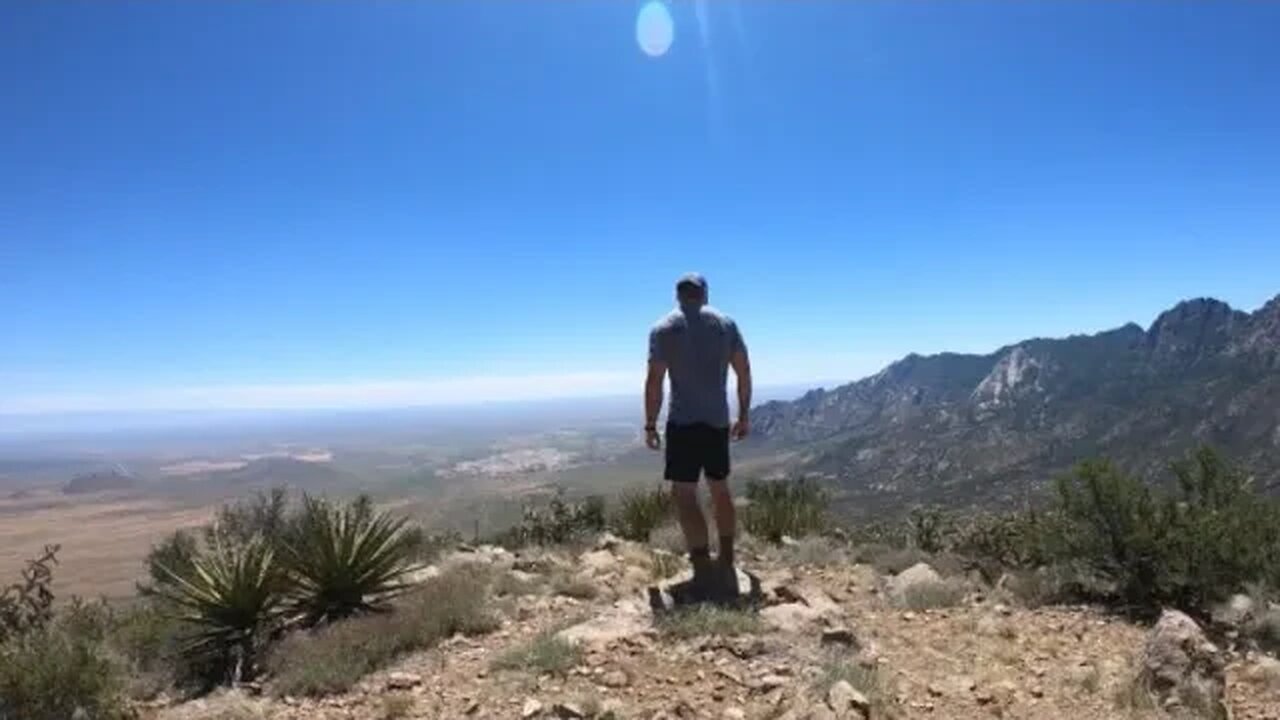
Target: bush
[640, 512]
[51, 665]
[28, 604]
[561, 521]
[335, 657]
[926, 529]
[47, 673]
[546, 654]
[1188, 549]
[792, 508]
[1011, 540]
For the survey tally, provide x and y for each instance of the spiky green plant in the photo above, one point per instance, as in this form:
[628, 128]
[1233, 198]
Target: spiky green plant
[230, 596]
[346, 560]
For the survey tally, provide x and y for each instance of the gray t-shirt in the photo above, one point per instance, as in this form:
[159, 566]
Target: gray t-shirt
[696, 344]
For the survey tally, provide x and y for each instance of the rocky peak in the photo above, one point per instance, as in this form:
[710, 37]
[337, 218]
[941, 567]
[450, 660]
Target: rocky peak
[1263, 334]
[1194, 329]
[1015, 374]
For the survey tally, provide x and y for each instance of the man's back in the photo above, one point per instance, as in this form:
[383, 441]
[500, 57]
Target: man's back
[696, 344]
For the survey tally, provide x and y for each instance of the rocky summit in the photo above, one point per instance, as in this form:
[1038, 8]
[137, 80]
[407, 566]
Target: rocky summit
[954, 428]
[830, 639]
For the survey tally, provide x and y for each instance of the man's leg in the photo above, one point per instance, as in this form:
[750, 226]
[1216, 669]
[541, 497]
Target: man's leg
[717, 468]
[683, 470]
[692, 521]
[726, 517]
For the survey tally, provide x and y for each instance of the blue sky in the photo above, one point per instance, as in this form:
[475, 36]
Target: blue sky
[294, 204]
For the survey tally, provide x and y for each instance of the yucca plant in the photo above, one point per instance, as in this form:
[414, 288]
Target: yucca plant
[345, 561]
[231, 597]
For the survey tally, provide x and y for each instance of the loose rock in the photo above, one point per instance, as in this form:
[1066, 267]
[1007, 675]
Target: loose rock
[1182, 668]
[531, 708]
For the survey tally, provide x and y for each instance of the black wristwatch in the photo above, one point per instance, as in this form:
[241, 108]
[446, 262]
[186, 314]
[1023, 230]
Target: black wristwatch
[651, 428]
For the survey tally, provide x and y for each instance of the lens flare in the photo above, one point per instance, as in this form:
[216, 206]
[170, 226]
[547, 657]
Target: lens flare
[654, 29]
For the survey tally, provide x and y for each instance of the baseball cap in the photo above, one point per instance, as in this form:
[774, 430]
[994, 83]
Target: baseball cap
[692, 281]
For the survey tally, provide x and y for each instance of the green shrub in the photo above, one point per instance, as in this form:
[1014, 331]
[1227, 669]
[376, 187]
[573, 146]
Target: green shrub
[561, 521]
[52, 665]
[47, 673]
[28, 604]
[345, 560]
[926, 529]
[640, 512]
[791, 508]
[231, 600]
[1009, 540]
[333, 658]
[1188, 549]
[546, 654]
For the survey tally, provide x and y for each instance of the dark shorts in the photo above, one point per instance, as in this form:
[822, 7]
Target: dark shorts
[694, 450]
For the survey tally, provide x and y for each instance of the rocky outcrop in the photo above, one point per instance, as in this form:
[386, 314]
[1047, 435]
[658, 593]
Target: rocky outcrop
[1182, 670]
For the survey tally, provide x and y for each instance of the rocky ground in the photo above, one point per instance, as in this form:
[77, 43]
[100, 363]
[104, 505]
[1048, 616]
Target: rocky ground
[831, 640]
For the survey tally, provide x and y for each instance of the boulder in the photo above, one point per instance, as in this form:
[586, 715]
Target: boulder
[810, 595]
[624, 620]
[1236, 611]
[1182, 669]
[846, 701]
[918, 574]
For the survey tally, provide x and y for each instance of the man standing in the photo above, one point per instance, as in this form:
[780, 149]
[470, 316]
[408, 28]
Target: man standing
[696, 345]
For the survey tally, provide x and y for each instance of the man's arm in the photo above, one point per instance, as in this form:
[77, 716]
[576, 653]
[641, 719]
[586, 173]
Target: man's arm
[653, 388]
[742, 369]
[653, 401]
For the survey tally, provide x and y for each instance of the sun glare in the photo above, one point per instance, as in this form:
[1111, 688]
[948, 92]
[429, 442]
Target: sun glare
[654, 29]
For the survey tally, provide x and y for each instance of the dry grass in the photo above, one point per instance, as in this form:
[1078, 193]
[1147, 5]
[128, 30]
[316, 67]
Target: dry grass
[710, 620]
[667, 565]
[933, 595]
[575, 587]
[867, 680]
[546, 654]
[396, 706]
[335, 658]
[815, 551]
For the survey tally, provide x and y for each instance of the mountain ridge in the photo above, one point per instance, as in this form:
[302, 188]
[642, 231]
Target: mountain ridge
[956, 427]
